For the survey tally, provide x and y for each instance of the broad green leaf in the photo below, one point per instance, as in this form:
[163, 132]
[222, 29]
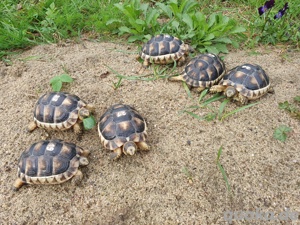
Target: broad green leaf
[297, 98]
[188, 20]
[237, 30]
[221, 48]
[66, 78]
[212, 49]
[89, 123]
[165, 9]
[223, 40]
[124, 29]
[280, 133]
[209, 37]
[56, 86]
[54, 79]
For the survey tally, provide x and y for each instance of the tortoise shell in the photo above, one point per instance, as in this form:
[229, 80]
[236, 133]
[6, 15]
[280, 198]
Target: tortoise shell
[57, 110]
[164, 49]
[250, 80]
[204, 70]
[120, 124]
[50, 162]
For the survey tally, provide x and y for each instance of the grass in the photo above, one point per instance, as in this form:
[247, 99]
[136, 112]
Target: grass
[222, 170]
[27, 23]
[215, 113]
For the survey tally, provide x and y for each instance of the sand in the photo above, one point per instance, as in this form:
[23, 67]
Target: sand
[177, 181]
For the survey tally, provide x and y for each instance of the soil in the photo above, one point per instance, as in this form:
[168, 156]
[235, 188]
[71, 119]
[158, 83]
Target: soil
[177, 181]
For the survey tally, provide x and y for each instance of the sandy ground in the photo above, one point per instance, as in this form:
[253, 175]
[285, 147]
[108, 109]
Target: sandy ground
[177, 182]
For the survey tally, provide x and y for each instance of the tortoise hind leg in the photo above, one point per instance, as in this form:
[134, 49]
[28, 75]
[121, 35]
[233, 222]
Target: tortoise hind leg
[18, 184]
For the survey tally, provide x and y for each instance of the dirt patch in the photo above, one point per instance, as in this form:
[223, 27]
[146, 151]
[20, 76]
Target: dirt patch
[177, 182]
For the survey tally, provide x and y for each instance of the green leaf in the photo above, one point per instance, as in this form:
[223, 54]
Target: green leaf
[223, 40]
[89, 123]
[297, 99]
[237, 30]
[54, 79]
[66, 78]
[280, 133]
[56, 86]
[221, 47]
[188, 20]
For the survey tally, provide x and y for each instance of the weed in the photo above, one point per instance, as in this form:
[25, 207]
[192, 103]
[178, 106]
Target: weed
[57, 81]
[210, 33]
[221, 168]
[276, 23]
[291, 108]
[215, 113]
[280, 133]
[188, 174]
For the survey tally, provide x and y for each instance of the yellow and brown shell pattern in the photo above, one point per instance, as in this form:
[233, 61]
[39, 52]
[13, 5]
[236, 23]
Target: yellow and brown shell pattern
[57, 110]
[49, 162]
[250, 80]
[120, 124]
[204, 70]
[163, 49]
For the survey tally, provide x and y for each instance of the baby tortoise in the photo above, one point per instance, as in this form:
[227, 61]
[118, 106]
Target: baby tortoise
[164, 49]
[122, 129]
[50, 162]
[202, 72]
[60, 111]
[243, 83]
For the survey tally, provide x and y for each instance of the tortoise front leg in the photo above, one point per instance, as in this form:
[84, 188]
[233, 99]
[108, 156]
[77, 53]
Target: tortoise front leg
[31, 126]
[77, 178]
[240, 98]
[116, 154]
[217, 88]
[78, 130]
[143, 145]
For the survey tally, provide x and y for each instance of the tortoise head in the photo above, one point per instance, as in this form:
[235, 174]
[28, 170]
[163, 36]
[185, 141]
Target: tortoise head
[230, 91]
[86, 111]
[129, 148]
[83, 113]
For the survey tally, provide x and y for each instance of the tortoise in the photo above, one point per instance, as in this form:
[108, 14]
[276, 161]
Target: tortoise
[50, 162]
[60, 111]
[202, 71]
[244, 82]
[122, 129]
[164, 49]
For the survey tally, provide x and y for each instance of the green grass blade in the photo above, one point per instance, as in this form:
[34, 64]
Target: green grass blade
[214, 98]
[222, 107]
[202, 95]
[224, 176]
[194, 115]
[219, 153]
[186, 88]
[238, 110]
